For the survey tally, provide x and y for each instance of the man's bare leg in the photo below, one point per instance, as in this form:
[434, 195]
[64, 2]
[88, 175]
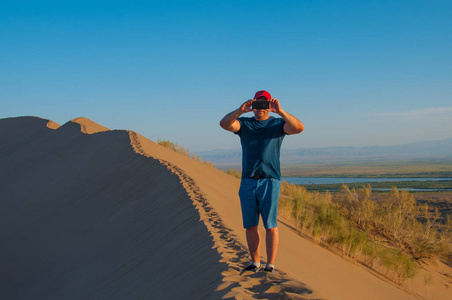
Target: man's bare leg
[253, 239]
[272, 243]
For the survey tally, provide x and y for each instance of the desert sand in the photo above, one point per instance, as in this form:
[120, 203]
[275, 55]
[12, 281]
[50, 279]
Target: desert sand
[92, 213]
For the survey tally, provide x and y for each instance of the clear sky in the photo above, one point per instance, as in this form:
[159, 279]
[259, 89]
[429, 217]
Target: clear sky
[354, 72]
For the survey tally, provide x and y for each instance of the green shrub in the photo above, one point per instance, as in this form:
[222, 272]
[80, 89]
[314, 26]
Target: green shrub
[398, 219]
[401, 265]
[181, 150]
[235, 173]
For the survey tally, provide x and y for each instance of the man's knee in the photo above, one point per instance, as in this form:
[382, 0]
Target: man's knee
[252, 229]
[272, 230]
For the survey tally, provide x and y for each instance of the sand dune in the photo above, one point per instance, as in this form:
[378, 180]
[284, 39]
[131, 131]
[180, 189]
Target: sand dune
[92, 213]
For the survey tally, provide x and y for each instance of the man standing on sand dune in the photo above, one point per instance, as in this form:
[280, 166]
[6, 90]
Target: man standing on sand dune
[261, 137]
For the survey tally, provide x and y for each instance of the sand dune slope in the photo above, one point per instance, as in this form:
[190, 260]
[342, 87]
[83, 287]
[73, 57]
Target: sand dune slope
[85, 217]
[92, 213]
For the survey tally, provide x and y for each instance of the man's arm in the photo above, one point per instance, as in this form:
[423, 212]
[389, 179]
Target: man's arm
[293, 125]
[230, 123]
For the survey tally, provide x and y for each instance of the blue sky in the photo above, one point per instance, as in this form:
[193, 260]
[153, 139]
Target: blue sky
[356, 73]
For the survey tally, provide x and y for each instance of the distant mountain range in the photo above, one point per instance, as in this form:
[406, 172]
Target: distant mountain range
[417, 150]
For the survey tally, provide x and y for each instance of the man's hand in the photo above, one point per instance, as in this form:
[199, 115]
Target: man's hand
[230, 123]
[293, 125]
[246, 106]
[275, 106]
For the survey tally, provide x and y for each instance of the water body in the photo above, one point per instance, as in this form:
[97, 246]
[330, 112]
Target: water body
[333, 180]
[412, 189]
[339, 180]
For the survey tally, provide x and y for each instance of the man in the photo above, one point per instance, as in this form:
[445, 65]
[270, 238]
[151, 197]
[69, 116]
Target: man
[261, 137]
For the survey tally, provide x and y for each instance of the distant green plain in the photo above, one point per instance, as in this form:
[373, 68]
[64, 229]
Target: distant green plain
[446, 184]
[380, 169]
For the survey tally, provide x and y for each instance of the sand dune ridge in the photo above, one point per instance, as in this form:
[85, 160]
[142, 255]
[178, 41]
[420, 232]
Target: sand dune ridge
[84, 216]
[88, 126]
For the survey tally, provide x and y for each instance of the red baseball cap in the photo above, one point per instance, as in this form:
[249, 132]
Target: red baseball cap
[263, 94]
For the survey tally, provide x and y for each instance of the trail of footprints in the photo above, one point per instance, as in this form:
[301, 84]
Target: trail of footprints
[234, 254]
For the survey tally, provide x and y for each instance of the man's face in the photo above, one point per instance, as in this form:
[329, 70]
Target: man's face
[261, 114]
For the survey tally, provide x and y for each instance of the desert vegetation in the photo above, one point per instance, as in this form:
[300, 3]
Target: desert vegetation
[391, 235]
[235, 173]
[181, 150]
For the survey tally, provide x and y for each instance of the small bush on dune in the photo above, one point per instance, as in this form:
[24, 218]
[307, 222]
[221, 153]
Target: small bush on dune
[398, 265]
[235, 173]
[181, 150]
[316, 216]
[174, 147]
[358, 206]
[398, 221]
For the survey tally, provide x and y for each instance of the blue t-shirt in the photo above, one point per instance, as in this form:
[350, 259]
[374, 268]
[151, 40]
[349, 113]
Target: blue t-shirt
[261, 144]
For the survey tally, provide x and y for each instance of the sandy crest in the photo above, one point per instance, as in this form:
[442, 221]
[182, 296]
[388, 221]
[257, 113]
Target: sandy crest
[90, 213]
[85, 217]
[88, 126]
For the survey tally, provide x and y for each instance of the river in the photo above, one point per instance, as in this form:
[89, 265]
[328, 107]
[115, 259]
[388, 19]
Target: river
[339, 180]
[333, 180]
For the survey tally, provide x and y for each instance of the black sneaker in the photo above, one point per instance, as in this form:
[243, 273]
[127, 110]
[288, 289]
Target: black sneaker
[251, 268]
[270, 270]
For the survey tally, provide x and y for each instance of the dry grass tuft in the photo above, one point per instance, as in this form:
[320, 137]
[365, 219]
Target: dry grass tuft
[181, 150]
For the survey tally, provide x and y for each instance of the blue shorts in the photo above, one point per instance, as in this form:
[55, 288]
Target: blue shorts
[259, 197]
